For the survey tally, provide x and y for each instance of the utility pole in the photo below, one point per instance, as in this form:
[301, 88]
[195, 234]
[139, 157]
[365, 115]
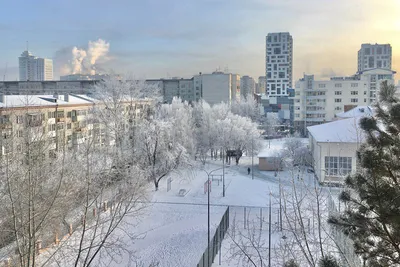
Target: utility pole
[269, 233]
[252, 157]
[223, 173]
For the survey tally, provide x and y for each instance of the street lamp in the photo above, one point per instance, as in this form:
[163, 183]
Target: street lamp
[208, 211]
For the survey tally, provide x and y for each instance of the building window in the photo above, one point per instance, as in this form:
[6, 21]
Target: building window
[338, 100]
[354, 100]
[20, 133]
[354, 92]
[52, 127]
[321, 85]
[338, 92]
[338, 166]
[338, 85]
[19, 119]
[338, 108]
[354, 84]
[297, 115]
[51, 115]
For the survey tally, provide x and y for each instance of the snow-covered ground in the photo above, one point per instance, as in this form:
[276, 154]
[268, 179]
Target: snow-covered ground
[173, 229]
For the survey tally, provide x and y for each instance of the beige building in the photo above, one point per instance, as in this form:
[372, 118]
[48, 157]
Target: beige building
[54, 122]
[317, 101]
[270, 160]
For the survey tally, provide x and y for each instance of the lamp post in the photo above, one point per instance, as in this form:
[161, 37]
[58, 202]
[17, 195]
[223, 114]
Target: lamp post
[208, 212]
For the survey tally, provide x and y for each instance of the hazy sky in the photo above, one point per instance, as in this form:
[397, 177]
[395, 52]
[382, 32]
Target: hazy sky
[160, 38]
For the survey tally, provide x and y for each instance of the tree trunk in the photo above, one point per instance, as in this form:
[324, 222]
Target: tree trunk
[156, 184]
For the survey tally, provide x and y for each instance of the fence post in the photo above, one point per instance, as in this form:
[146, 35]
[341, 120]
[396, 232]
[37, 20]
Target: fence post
[244, 218]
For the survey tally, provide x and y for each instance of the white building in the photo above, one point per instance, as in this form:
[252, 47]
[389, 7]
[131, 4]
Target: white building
[32, 68]
[247, 85]
[333, 147]
[372, 56]
[279, 63]
[317, 102]
[218, 87]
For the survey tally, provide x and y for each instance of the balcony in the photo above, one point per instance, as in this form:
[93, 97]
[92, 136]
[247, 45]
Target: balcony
[61, 120]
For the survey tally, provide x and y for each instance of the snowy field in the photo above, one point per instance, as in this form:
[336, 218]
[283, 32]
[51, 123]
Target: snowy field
[176, 234]
[173, 228]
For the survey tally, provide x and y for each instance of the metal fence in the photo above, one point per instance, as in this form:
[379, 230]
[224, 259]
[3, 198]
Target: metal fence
[343, 242]
[215, 245]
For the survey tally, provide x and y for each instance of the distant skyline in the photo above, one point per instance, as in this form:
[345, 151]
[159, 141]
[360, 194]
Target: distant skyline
[158, 38]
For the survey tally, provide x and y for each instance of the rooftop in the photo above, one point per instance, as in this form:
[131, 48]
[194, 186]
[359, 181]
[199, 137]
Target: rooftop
[340, 131]
[359, 111]
[12, 101]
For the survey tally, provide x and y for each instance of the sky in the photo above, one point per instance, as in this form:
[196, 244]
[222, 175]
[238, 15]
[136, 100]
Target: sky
[152, 39]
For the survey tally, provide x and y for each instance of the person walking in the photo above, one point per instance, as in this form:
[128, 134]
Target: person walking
[248, 170]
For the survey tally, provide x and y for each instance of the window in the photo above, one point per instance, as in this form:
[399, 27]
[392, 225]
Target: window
[321, 85]
[338, 85]
[338, 100]
[354, 92]
[277, 50]
[337, 166]
[51, 114]
[297, 115]
[20, 133]
[354, 84]
[19, 119]
[338, 108]
[338, 92]
[365, 92]
[354, 100]
[52, 127]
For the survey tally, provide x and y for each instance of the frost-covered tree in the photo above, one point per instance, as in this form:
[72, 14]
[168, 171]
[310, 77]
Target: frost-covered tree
[247, 106]
[372, 215]
[160, 152]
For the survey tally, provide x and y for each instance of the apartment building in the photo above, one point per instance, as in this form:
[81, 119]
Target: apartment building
[317, 102]
[54, 122]
[247, 85]
[279, 63]
[217, 87]
[32, 68]
[372, 56]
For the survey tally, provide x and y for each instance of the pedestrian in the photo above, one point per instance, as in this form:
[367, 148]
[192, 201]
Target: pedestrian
[248, 170]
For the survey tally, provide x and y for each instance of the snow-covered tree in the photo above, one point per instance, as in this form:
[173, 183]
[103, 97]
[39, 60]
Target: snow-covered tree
[372, 215]
[160, 152]
[248, 107]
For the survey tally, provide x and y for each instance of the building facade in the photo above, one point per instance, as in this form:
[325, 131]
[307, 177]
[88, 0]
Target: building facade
[334, 148]
[55, 122]
[32, 68]
[261, 85]
[247, 86]
[317, 102]
[279, 63]
[372, 56]
[46, 87]
[217, 87]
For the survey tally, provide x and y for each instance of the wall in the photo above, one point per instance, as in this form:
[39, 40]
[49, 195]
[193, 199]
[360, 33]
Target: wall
[320, 150]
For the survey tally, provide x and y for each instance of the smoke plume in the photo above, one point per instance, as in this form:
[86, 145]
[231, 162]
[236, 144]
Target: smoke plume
[83, 61]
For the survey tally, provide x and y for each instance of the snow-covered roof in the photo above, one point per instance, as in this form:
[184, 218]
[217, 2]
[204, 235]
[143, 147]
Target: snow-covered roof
[270, 152]
[340, 131]
[10, 101]
[359, 111]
